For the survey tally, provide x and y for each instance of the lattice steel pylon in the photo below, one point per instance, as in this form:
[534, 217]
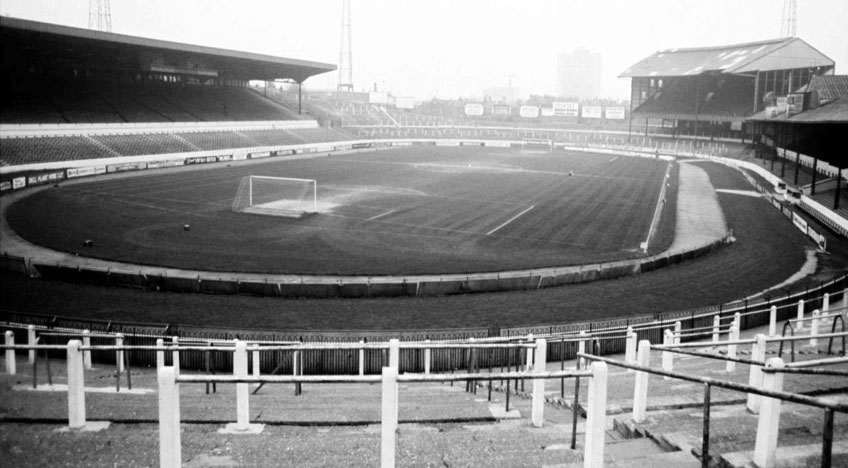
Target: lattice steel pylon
[787, 23]
[345, 54]
[99, 15]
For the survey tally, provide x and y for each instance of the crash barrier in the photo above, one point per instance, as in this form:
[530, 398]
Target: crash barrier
[169, 377]
[564, 341]
[768, 392]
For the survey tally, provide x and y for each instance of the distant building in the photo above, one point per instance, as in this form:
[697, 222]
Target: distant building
[579, 74]
[504, 94]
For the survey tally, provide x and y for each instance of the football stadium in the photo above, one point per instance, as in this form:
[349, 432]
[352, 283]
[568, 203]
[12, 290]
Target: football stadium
[207, 262]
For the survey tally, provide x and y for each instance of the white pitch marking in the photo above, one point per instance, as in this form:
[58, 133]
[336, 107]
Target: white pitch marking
[510, 220]
[613, 159]
[749, 193]
[381, 215]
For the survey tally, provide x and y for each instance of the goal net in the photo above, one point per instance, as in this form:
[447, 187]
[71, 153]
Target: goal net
[276, 196]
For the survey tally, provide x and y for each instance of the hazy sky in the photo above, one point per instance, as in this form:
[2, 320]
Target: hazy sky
[457, 48]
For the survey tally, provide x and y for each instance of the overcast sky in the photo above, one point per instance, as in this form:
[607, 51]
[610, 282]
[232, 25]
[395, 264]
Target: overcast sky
[456, 48]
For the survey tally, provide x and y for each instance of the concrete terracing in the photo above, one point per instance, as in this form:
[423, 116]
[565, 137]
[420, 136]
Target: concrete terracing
[440, 424]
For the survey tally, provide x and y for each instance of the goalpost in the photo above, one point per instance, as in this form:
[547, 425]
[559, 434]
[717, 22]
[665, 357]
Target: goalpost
[277, 196]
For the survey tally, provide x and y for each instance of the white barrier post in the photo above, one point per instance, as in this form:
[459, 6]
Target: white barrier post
[11, 369]
[667, 357]
[755, 376]
[427, 359]
[814, 329]
[716, 327]
[772, 321]
[389, 418]
[596, 408]
[826, 303]
[170, 446]
[256, 361]
[86, 355]
[769, 420]
[160, 355]
[539, 364]
[800, 309]
[678, 330]
[175, 362]
[240, 371]
[76, 386]
[640, 389]
[581, 349]
[394, 354]
[528, 363]
[731, 349]
[630, 346]
[119, 355]
[361, 358]
[31, 341]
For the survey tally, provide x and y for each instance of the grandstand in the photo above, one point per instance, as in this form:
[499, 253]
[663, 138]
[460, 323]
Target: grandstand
[710, 91]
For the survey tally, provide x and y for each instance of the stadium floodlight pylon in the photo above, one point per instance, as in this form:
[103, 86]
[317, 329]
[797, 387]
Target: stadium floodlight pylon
[277, 196]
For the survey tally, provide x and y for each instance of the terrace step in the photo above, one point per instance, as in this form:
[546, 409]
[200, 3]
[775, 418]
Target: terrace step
[787, 457]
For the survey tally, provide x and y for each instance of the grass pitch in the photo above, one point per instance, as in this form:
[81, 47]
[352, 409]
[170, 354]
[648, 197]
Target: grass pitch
[415, 210]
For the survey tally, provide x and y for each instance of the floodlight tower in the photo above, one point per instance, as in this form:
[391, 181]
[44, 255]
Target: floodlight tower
[99, 15]
[345, 56]
[787, 23]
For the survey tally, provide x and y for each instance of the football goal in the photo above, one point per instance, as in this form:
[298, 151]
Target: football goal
[276, 196]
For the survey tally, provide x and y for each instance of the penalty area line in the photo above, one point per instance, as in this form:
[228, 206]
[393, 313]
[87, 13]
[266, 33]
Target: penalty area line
[380, 215]
[510, 220]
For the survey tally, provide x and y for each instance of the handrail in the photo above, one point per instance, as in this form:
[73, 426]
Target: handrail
[780, 395]
[708, 344]
[818, 362]
[714, 356]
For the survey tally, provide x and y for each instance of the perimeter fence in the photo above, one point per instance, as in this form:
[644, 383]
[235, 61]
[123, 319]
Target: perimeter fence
[565, 340]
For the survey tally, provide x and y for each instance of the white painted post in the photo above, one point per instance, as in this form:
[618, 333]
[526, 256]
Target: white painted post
[389, 418]
[170, 446]
[630, 348]
[361, 358]
[772, 321]
[160, 355]
[31, 341]
[814, 329]
[86, 355]
[731, 349]
[528, 364]
[826, 303]
[256, 361]
[678, 329]
[11, 369]
[427, 359]
[640, 389]
[175, 340]
[295, 362]
[581, 349]
[119, 355]
[716, 327]
[755, 376]
[596, 408]
[539, 364]
[76, 386]
[667, 356]
[769, 420]
[240, 371]
[394, 354]
[800, 309]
